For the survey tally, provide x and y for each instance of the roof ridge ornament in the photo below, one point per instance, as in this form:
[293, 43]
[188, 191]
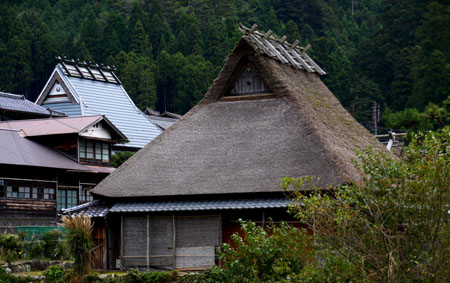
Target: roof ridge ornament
[280, 49]
[88, 70]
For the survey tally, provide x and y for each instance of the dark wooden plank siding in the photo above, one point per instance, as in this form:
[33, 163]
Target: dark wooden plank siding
[248, 82]
[19, 208]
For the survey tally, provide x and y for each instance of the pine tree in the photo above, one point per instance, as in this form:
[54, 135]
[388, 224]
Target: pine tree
[140, 43]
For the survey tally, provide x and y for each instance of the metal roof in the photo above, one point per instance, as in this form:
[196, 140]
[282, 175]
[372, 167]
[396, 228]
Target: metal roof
[163, 122]
[18, 103]
[57, 126]
[17, 150]
[94, 208]
[280, 50]
[96, 97]
[196, 205]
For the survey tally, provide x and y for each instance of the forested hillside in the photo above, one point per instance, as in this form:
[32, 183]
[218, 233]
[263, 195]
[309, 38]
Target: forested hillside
[167, 52]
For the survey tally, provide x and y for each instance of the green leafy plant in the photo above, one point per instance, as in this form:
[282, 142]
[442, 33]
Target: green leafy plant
[54, 274]
[53, 244]
[393, 225]
[262, 254]
[79, 243]
[11, 247]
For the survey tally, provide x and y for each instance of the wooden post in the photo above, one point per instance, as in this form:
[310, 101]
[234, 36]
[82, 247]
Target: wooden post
[121, 243]
[220, 236]
[263, 218]
[148, 243]
[174, 237]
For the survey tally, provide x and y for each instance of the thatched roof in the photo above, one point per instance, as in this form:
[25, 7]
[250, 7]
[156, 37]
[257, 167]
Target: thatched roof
[247, 143]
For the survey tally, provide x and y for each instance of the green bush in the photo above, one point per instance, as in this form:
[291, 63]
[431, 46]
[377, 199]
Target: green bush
[265, 255]
[53, 245]
[37, 250]
[55, 274]
[11, 247]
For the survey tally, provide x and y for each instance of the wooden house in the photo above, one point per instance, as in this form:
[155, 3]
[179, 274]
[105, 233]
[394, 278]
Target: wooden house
[17, 107]
[50, 164]
[266, 116]
[84, 89]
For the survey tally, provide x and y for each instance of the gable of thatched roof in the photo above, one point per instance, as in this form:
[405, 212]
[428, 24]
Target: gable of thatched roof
[248, 143]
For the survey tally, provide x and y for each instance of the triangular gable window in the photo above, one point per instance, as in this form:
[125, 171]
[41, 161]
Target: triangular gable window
[249, 82]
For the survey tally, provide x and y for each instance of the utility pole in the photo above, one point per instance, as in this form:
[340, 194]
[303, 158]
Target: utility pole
[375, 117]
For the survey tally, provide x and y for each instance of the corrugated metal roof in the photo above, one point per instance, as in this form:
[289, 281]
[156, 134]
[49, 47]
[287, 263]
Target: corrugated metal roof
[18, 103]
[280, 50]
[94, 208]
[196, 205]
[56, 126]
[111, 100]
[51, 126]
[17, 150]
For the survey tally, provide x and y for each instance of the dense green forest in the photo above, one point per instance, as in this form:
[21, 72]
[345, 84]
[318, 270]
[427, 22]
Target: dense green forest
[167, 52]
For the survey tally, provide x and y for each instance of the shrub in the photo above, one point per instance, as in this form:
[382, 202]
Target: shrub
[53, 244]
[394, 225]
[11, 247]
[37, 250]
[55, 274]
[78, 240]
[263, 255]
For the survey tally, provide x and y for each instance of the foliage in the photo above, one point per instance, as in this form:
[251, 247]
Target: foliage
[53, 245]
[10, 247]
[54, 274]
[120, 157]
[393, 226]
[79, 243]
[398, 49]
[7, 278]
[432, 118]
[274, 253]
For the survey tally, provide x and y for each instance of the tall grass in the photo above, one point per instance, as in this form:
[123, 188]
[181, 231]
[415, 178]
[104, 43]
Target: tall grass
[79, 243]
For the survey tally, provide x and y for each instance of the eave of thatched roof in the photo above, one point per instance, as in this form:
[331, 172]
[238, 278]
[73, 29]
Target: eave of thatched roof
[225, 146]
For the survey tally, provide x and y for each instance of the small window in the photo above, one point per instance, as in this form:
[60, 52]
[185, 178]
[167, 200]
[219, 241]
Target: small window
[95, 151]
[105, 152]
[67, 198]
[12, 192]
[85, 194]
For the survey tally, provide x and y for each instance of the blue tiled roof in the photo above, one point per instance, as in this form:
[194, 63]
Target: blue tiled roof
[196, 205]
[18, 103]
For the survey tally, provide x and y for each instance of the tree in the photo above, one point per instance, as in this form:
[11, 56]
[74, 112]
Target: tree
[393, 224]
[140, 43]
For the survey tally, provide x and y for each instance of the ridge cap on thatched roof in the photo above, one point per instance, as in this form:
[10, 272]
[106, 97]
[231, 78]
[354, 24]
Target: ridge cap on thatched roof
[280, 49]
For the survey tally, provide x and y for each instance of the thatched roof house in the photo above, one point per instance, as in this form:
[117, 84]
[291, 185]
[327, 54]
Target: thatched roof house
[266, 116]
[245, 143]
